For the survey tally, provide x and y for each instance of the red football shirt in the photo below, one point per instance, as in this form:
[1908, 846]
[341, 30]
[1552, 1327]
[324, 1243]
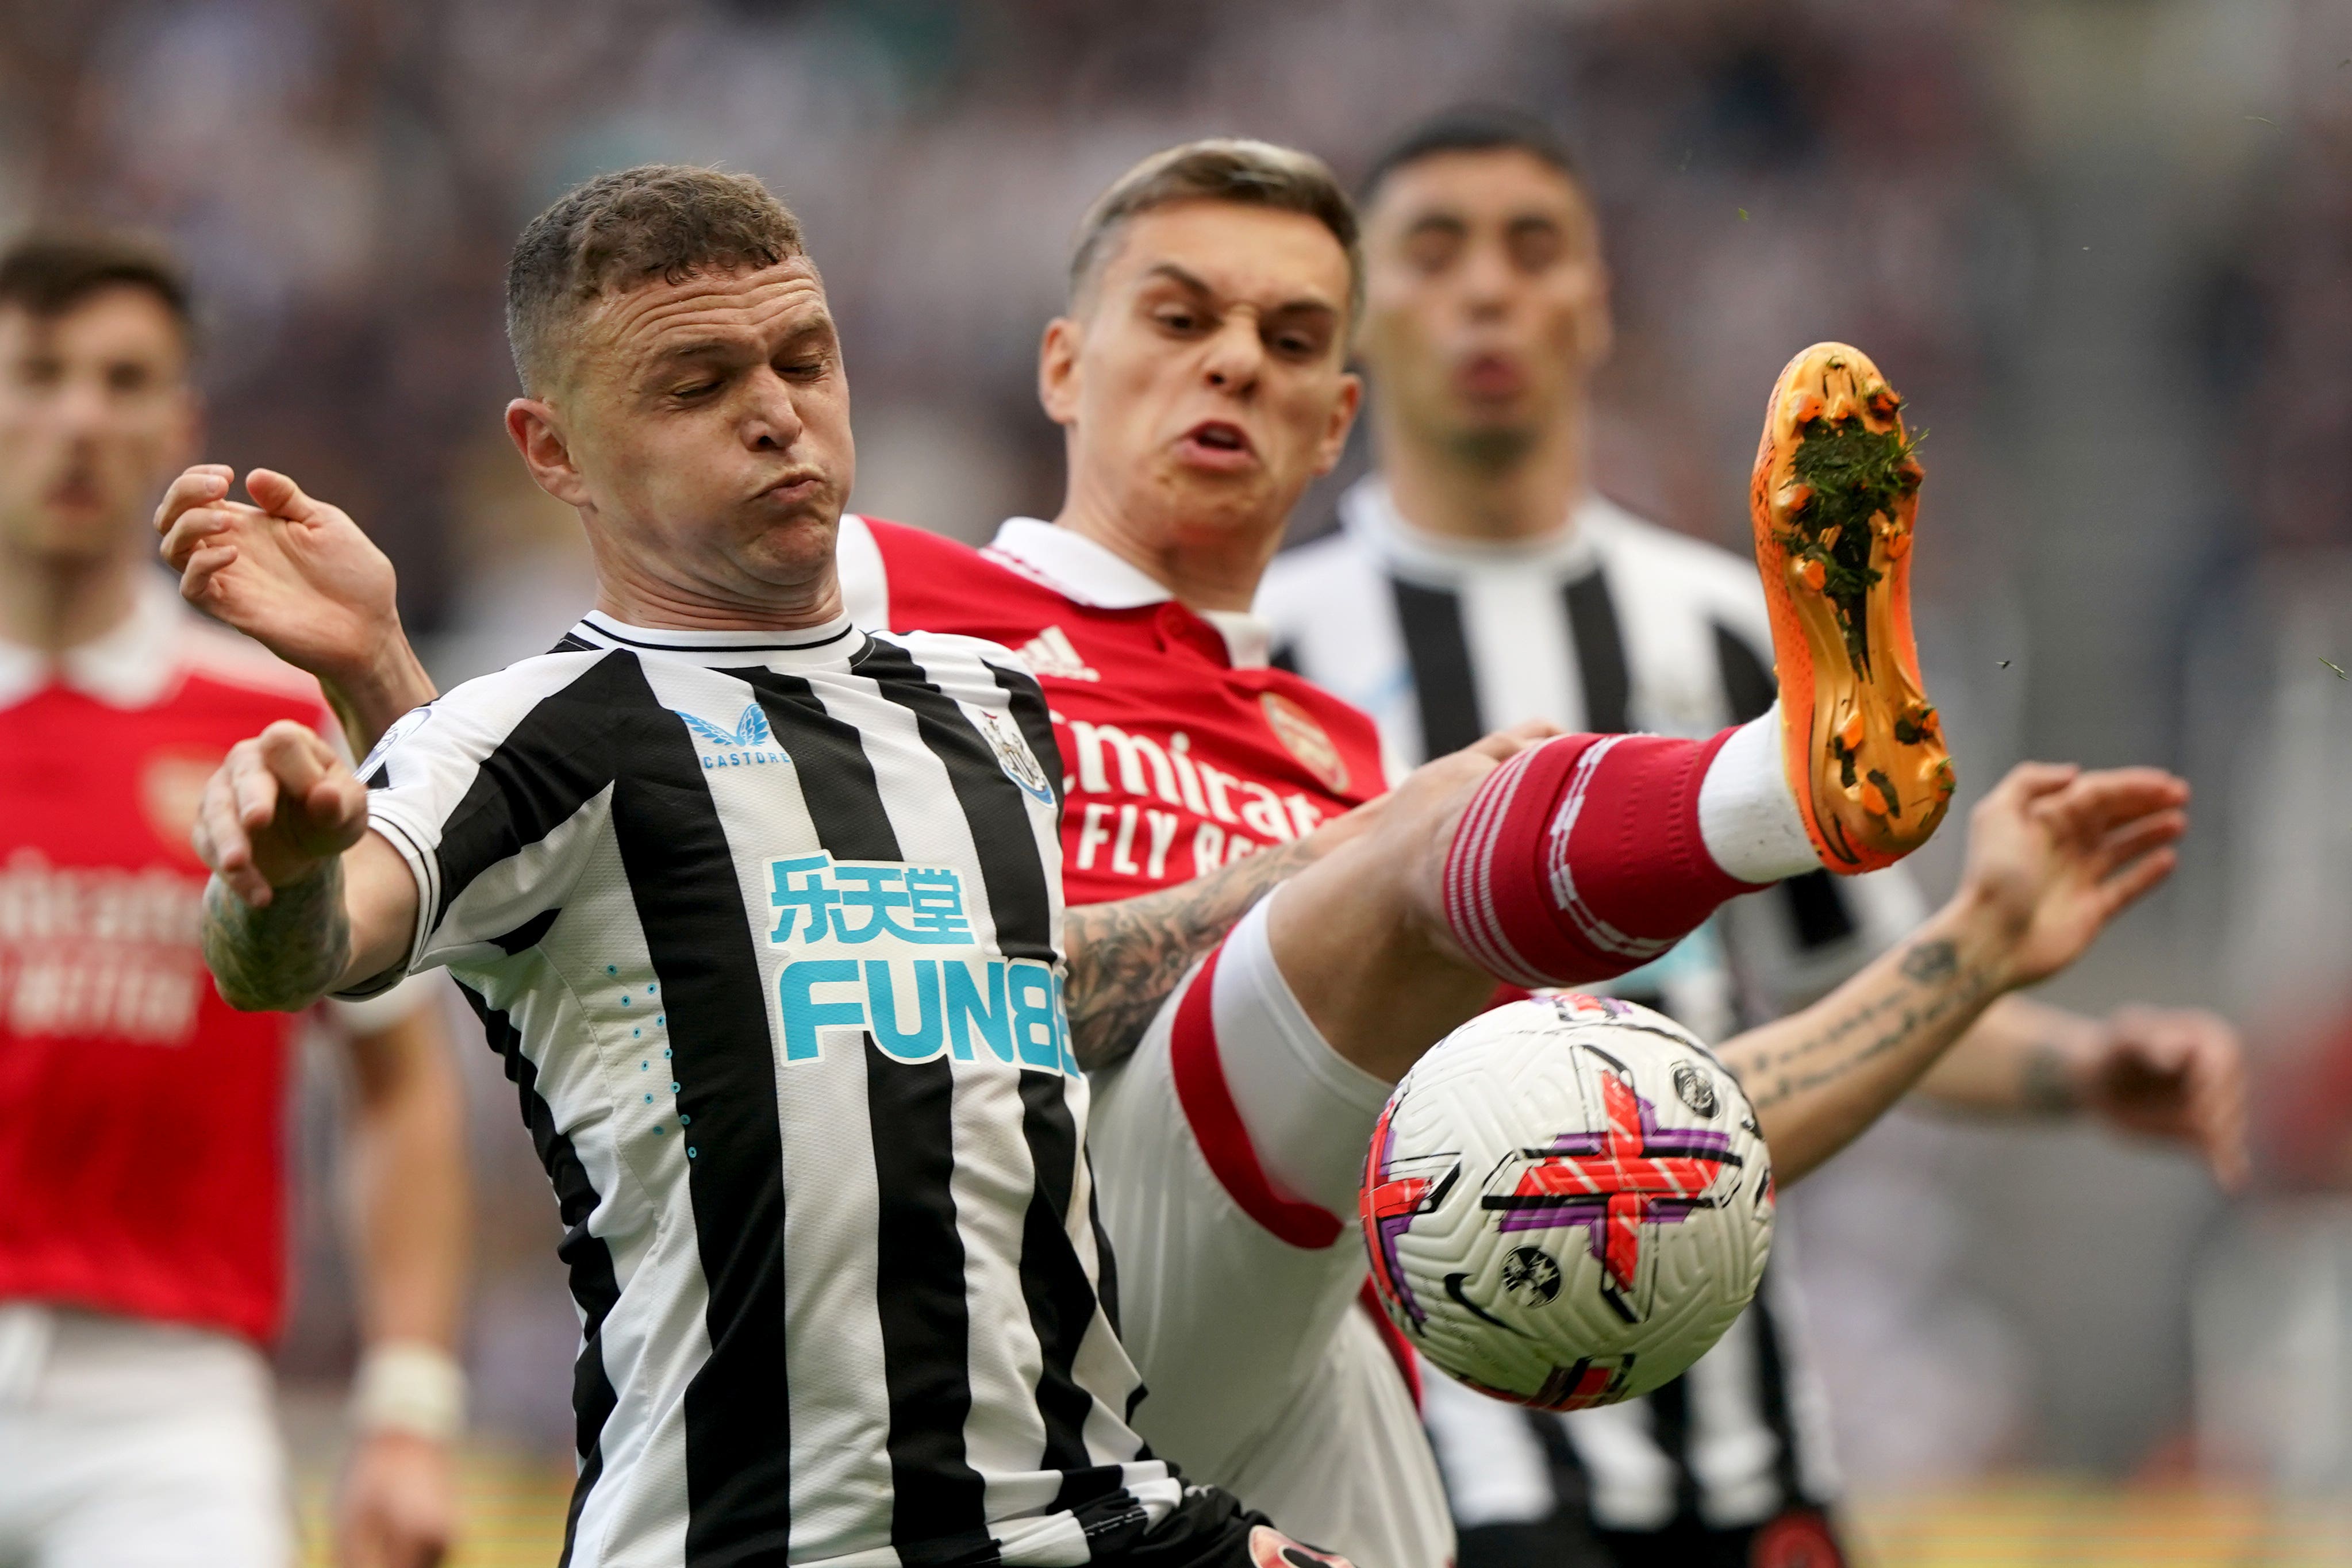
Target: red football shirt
[141, 1119]
[1181, 748]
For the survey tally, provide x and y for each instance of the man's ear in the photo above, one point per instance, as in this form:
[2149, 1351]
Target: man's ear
[532, 426]
[1057, 370]
[1343, 419]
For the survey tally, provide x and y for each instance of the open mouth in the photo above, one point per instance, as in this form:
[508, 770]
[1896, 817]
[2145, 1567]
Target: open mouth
[1218, 443]
[1491, 375]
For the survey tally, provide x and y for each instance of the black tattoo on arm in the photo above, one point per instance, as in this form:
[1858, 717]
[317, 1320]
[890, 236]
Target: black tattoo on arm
[1932, 967]
[284, 955]
[1125, 957]
[1930, 962]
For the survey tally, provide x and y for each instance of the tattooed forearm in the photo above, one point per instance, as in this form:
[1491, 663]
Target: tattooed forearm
[1930, 962]
[1125, 957]
[1915, 1018]
[284, 955]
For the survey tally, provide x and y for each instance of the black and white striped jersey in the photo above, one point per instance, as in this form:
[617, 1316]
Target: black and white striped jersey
[767, 926]
[1610, 625]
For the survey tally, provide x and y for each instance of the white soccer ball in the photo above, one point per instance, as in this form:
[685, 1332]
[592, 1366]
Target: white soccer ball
[1567, 1201]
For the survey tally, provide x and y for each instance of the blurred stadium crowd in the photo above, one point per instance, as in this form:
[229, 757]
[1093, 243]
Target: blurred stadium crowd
[2104, 250]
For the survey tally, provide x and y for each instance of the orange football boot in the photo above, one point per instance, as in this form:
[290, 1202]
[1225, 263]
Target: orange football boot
[1835, 491]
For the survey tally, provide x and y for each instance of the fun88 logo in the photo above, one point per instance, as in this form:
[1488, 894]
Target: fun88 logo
[966, 1005]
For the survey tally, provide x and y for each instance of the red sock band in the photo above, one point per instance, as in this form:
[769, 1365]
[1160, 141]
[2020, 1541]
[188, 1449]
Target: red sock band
[1581, 859]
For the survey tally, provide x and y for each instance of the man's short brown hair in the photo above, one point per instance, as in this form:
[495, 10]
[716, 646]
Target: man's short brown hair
[669, 221]
[1223, 169]
[51, 271]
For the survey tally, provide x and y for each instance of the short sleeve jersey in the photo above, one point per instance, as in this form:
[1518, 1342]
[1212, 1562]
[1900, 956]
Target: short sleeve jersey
[141, 1119]
[1181, 748]
[767, 927]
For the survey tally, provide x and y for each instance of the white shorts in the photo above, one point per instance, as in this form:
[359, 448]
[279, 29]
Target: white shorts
[1227, 1151]
[126, 1443]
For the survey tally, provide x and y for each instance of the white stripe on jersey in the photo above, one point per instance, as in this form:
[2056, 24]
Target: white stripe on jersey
[835, 860]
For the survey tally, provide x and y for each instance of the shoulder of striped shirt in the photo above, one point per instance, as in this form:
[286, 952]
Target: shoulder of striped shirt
[508, 694]
[1301, 576]
[1721, 581]
[924, 645]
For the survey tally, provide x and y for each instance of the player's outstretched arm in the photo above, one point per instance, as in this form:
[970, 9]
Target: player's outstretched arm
[2054, 855]
[298, 577]
[303, 900]
[2173, 1073]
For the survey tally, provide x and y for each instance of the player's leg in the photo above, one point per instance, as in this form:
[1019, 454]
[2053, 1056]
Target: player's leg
[1226, 1151]
[1345, 1465]
[1559, 863]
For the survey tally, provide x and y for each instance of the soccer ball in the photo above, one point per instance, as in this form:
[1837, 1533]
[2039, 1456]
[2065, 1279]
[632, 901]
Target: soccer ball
[1567, 1201]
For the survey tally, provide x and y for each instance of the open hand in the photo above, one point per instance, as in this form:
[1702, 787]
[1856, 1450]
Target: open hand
[279, 806]
[293, 573]
[2171, 1072]
[2055, 853]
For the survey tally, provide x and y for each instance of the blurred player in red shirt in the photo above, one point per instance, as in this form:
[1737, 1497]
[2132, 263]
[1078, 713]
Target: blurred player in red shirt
[143, 1122]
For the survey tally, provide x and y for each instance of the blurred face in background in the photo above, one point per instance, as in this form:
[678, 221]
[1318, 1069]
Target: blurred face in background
[1202, 375]
[96, 415]
[702, 429]
[1488, 303]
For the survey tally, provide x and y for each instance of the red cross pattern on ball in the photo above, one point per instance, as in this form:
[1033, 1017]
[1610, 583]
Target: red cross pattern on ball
[1612, 1182]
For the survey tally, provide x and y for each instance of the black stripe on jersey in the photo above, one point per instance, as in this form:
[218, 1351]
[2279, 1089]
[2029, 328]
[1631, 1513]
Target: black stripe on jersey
[1447, 691]
[1816, 909]
[938, 1503]
[992, 804]
[682, 875]
[1054, 1282]
[1106, 1270]
[1599, 653]
[553, 762]
[1027, 701]
[1670, 1427]
[1748, 688]
[1772, 1395]
[1053, 1277]
[572, 642]
[594, 1285]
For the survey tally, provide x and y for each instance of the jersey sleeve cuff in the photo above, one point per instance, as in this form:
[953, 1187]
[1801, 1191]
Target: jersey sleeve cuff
[399, 829]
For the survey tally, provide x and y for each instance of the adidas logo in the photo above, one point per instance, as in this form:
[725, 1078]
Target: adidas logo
[1051, 653]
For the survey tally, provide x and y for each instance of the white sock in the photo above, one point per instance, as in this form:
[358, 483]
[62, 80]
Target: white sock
[1746, 813]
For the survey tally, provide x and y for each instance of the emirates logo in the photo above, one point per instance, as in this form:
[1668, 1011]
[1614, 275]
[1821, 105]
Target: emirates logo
[1306, 740]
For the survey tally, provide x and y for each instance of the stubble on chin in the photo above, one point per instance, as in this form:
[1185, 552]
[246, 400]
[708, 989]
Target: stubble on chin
[1493, 450]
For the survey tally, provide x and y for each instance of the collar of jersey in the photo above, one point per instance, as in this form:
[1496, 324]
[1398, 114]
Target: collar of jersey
[128, 665]
[829, 644]
[1078, 568]
[1368, 513]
